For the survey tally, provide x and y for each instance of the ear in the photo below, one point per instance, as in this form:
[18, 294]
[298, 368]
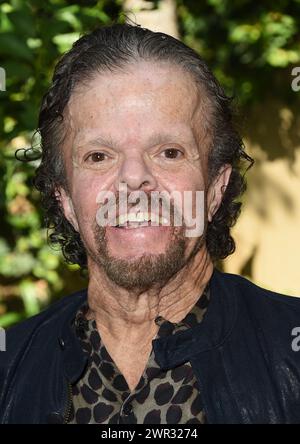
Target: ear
[67, 205]
[216, 190]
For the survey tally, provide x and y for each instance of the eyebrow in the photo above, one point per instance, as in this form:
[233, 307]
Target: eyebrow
[154, 139]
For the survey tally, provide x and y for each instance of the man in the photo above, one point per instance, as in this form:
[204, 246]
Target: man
[160, 335]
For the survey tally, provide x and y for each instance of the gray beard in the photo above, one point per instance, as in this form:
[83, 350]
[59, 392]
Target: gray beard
[146, 271]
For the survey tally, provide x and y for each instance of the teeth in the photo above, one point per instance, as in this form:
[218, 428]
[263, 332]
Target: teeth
[141, 217]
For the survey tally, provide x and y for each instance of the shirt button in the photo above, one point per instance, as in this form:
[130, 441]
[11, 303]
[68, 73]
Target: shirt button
[61, 343]
[127, 409]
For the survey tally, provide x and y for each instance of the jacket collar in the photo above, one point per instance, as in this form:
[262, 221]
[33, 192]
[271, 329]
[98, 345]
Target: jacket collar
[172, 350]
[212, 332]
[74, 359]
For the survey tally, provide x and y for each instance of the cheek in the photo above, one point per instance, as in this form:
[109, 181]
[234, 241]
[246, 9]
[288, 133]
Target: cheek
[189, 181]
[84, 197]
[192, 189]
[85, 209]
[187, 176]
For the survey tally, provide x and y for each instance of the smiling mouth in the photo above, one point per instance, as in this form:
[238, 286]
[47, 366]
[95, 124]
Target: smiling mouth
[140, 220]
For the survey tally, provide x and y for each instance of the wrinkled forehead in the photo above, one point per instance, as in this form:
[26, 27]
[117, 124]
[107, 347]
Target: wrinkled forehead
[135, 101]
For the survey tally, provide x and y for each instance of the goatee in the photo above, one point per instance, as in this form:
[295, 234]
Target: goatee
[145, 271]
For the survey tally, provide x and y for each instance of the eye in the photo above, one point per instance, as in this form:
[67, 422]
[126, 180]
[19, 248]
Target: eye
[172, 153]
[98, 156]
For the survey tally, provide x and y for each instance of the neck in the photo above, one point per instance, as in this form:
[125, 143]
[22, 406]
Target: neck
[129, 315]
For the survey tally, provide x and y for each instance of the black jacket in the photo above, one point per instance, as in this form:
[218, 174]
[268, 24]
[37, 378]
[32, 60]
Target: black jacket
[241, 354]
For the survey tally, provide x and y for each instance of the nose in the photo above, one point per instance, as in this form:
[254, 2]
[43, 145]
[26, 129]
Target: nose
[136, 174]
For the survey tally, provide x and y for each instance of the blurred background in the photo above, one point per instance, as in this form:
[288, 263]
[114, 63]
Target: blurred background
[253, 49]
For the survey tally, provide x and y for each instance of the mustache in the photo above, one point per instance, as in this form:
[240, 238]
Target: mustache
[122, 203]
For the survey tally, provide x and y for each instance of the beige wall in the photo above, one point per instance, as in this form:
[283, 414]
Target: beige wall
[162, 19]
[268, 231]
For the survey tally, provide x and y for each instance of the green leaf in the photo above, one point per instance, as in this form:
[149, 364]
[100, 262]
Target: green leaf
[29, 294]
[11, 45]
[23, 22]
[10, 318]
[65, 41]
[16, 264]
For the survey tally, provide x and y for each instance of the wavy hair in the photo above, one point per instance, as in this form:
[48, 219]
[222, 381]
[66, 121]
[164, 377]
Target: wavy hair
[110, 49]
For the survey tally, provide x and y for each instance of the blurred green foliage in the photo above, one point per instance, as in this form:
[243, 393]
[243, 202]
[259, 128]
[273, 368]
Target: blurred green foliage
[251, 46]
[33, 35]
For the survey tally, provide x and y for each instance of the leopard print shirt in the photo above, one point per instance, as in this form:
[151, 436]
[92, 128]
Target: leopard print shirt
[102, 395]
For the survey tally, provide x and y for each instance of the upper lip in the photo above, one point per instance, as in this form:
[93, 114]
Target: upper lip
[139, 217]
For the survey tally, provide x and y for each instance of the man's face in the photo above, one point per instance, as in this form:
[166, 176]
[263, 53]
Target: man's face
[147, 127]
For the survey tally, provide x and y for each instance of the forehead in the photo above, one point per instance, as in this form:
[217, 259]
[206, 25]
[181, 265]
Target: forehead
[143, 97]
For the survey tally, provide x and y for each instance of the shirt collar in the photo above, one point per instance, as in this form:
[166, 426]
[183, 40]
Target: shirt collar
[175, 349]
[217, 324]
[84, 327]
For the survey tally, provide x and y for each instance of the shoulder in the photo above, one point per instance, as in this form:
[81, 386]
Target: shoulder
[38, 327]
[31, 346]
[248, 289]
[270, 313]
